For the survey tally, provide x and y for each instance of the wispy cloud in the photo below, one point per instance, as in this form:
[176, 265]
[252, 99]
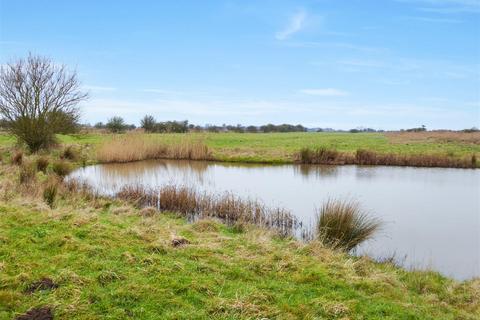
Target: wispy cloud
[326, 92]
[447, 6]
[295, 24]
[99, 88]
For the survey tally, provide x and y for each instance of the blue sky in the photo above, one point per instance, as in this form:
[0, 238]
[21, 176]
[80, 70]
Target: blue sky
[386, 64]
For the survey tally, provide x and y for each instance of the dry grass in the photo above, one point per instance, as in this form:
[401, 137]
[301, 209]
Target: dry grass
[135, 147]
[17, 157]
[192, 204]
[341, 224]
[42, 164]
[61, 168]
[368, 157]
[434, 136]
[27, 173]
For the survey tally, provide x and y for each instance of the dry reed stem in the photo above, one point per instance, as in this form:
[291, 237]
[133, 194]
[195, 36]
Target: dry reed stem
[135, 147]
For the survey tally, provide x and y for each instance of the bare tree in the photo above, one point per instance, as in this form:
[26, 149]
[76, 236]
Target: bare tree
[38, 99]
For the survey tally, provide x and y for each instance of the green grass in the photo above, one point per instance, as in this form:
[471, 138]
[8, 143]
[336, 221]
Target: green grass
[281, 147]
[109, 262]
[119, 266]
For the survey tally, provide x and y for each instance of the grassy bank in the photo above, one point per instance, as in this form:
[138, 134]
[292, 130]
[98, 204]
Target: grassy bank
[86, 257]
[285, 147]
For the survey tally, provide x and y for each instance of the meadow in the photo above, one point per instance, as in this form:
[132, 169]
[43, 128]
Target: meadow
[69, 252]
[98, 258]
[285, 147]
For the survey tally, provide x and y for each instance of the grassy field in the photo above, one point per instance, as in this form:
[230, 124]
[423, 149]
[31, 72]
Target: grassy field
[109, 262]
[282, 147]
[99, 258]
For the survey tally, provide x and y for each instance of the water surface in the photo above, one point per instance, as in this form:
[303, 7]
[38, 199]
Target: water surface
[431, 215]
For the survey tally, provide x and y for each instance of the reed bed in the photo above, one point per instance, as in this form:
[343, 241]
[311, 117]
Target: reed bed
[136, 147]
[342, 224]
[323, 155]
[192, 204]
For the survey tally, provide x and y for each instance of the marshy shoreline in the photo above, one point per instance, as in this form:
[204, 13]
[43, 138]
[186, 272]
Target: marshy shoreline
[137, 147]
[107, 247]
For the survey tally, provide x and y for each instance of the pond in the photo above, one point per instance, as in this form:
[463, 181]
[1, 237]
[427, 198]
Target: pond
[431, 215]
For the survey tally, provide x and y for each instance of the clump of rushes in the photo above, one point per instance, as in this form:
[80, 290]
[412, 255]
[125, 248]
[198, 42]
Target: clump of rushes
[474, 161]
[27, 172]
[342, 224]
[191, 203]
[42, 164]
[50, 192]
[321, 155]
[70, 153]
[17, 157]
[61, 168]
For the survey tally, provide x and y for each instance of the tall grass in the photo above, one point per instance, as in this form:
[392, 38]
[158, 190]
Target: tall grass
[50, 192]
[42, 164]
[27, 172]
[70, 153]
[61, 168]
[231, 209]
[323, 155]
[17, 157]
[135, 147]
[341, 224]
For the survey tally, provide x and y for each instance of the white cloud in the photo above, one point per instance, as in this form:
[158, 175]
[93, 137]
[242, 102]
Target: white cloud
[326, 92]
[296, 23]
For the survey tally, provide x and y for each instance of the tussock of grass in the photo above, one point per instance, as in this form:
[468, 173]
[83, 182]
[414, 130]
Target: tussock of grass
[135, 147]
[42, 164]
[341, 224]
[27, 172]
[17, 157]
[61, 168]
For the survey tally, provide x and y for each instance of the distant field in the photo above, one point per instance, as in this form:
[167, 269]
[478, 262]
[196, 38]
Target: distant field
[281, 147]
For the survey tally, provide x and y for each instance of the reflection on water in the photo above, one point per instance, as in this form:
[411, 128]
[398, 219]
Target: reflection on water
[315, 172]
[431, 215]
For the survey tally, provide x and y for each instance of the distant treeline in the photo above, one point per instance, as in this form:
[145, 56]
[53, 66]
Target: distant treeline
[150, 124]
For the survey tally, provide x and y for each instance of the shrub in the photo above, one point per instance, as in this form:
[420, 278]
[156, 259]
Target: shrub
[70, 153]
[27, 173]
[341, 224]
[321, 155]
[50, 193]
[42, 164]
[52, 95]
[17, 157]
[116, 125]
[148, 123]
[61, 168]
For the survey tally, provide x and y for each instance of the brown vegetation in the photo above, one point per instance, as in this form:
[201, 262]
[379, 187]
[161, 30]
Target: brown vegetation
[17, 157]
[61, 168]
[231, 209]
[27, 173]
[436, 136]
[42, 164]
[343, 225]
[367, 157]
[134, 147]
